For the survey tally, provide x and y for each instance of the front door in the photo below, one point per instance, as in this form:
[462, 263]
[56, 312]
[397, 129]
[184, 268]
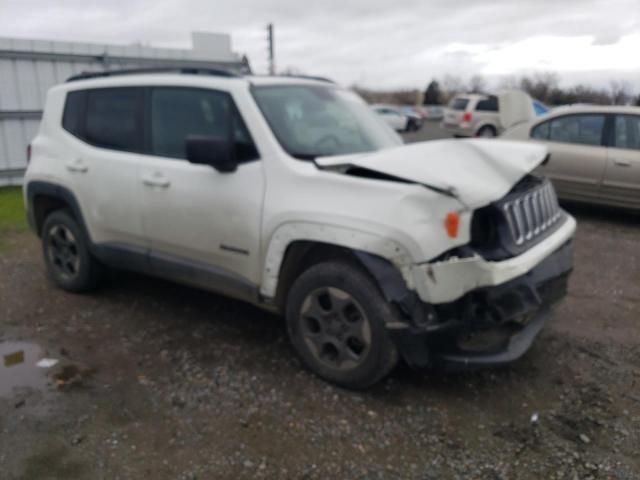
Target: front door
[621, 184]
[577, 156]
[203, 225]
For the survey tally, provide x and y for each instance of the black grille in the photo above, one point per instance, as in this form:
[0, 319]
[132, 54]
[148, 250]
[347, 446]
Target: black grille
[531, 214]
[511, 225]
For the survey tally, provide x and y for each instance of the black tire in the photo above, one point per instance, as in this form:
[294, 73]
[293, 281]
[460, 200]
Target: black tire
[411, 125]
[65, 247]
[364, 364]
[487, 132]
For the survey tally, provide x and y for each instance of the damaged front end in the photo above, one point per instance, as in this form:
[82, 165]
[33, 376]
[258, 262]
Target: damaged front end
[483, 304]
[488, 326]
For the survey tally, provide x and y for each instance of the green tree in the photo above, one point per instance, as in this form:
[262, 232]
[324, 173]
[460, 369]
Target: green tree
[432, 95]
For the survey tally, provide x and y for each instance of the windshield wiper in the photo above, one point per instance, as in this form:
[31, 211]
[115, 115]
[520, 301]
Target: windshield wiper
[303, 156]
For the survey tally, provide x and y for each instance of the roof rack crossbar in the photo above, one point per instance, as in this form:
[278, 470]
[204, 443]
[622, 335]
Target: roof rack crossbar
[218, 72]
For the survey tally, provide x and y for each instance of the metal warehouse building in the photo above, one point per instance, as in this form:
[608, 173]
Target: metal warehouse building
[28, 68]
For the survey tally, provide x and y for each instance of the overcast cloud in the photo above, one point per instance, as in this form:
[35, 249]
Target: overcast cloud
[375, 43]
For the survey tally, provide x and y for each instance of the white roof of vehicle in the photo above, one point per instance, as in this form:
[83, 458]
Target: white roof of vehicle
[472, 96]
[186, 79]
[583, 108]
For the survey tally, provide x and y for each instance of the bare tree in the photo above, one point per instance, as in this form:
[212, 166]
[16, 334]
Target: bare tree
[478, 84]
[291, 70]
[540, 85]
[509, 82]
[451, 85]
[620, 92]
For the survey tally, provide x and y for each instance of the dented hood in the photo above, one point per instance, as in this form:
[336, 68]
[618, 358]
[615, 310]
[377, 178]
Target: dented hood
[476, 171]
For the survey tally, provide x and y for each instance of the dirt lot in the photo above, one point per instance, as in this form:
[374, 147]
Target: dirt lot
[161, 381]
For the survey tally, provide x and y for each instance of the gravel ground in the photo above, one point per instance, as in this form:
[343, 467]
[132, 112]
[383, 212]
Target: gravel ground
[162, 381]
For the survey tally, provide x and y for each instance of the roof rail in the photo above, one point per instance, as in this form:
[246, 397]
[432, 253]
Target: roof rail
[218, 72]
[309, 77]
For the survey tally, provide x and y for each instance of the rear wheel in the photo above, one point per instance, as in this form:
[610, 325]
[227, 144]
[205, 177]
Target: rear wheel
[487, 132]
[336, 322]
[69, 263]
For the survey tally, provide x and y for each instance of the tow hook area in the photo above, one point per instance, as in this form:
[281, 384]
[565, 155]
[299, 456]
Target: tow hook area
[488, 326]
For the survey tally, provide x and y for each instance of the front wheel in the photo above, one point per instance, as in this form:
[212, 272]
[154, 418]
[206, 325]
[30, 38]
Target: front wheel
[336, 320]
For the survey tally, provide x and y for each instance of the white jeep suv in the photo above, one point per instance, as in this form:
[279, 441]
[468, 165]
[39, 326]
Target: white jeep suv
[291, 194]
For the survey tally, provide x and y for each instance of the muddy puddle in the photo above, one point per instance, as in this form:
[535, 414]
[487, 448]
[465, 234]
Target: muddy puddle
[19, 369]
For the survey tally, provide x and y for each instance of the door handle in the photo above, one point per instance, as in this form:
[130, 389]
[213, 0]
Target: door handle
[77, 165]
[622, 163]
[156, 180]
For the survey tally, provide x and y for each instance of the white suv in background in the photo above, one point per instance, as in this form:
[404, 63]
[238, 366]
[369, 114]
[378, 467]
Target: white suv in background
[291, 194]
[478, 115]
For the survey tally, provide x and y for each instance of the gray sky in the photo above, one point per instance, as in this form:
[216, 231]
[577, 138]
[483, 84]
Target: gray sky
[375, 43]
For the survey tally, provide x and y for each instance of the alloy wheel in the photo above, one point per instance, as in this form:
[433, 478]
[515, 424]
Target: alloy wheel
[335, 328]
[62, 250]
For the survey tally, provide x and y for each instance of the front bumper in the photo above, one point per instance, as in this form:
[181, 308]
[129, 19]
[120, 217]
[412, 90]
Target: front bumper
[488, 326]
[449, 280]
[457, 130]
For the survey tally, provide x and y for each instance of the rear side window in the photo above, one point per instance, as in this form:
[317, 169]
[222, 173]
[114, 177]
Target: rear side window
[114, 118]
[541, 132]
[73, 115]
[459, 104]
[177, 113]
[627, 132]
[488, 104]
[578, 129]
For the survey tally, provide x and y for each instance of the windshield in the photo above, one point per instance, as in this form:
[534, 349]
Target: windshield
[313, 121]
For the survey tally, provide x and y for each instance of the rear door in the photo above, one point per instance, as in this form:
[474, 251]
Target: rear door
[106, 125]
[621, 183]
[577, 155]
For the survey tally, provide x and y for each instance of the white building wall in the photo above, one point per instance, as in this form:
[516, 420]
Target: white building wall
[28, 68]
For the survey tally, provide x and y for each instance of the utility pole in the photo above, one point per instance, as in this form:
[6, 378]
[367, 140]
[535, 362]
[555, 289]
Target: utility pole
[272, 63]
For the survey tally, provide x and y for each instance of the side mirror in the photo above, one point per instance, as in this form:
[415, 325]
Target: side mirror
[214, 151]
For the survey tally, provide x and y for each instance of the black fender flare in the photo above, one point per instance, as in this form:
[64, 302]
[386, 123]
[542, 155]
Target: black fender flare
[38, 187]
[394, 288]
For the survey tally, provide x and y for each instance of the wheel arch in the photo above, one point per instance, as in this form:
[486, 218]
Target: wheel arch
[296, 247]
[45, 197]
[486, 124]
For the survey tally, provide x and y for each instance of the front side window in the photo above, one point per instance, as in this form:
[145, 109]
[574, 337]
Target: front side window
[583, 129]
[627, 132]
[177, 113]
[114, 118]
[312, 121]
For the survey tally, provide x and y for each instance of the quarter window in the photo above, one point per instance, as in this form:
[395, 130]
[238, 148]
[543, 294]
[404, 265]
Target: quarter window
[627, 132]
[114, 118]
[177, 113]
[72, 118]
[541, 131]
[489, 104]
[578, 129]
